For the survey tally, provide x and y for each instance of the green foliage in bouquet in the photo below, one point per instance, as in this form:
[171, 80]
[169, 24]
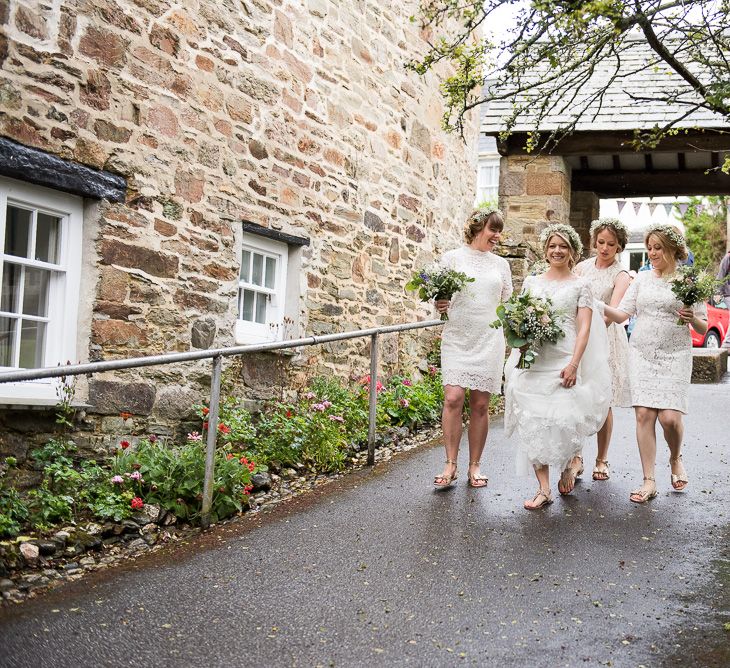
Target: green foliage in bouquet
[692, 286]
[438, 284]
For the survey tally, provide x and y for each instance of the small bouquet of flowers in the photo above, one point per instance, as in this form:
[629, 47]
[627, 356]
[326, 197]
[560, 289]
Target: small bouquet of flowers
[692, 286]
[438, 283]
[528, 322]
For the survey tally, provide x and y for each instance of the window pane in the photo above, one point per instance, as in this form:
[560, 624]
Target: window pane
[32, 340]
[47, 237]
[17, 231]
[35, 292]
[247, 308]
[7, 341]
[246, 266]
[261, 300]
[258, 269]
[270, 279]
[9, 301]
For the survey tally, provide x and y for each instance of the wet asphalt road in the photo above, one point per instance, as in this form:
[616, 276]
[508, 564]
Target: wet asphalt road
[376, 569]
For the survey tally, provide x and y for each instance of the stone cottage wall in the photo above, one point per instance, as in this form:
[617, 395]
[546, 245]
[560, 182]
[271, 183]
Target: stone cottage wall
[293, 115]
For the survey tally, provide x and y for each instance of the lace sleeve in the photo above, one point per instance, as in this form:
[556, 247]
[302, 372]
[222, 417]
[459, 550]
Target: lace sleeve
[585, 296]
[526, 285]
[448, 260]
[628, 303]
[507, 287]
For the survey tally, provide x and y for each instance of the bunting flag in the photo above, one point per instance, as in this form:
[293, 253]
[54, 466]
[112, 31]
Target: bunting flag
[637, 207]
[620, 203]
[652, 208]
[668, 209]
[699, 208]
[683, 208]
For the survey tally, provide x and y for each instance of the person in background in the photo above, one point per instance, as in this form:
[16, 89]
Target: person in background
[723, 274]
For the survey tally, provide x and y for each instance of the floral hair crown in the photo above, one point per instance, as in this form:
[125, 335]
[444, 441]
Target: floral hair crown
[669, 232]
[565, 231]
[483, 214]
[613, 223]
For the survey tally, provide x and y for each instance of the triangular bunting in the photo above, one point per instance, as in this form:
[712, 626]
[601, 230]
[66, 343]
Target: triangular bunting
[620, 203]
[683, 209]
[668, 209]
[699, 208]
[637, 207]
[652, 208]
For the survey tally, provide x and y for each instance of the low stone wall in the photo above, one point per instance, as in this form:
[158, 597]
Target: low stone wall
[708, 366]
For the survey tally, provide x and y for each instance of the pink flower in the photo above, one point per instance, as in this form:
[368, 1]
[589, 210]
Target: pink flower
[407, 382]
[136, 476]
[152, 438]
[309, 396]
[117, 480]
[336, 418]
[326, 403]
[432, 370]
[319, 408]
[195, 436]
[405, 403]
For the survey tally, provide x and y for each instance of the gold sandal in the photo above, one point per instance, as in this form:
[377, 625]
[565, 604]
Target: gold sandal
[443, 481]
[679, 482]
[547, 499]
[476, 481]
[643, 494]
[601, 475]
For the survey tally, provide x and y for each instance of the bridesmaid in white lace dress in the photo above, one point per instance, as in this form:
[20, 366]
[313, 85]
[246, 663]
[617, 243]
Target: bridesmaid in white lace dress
[472, 353]
[660, 356]
[609, 282]
[566, 393]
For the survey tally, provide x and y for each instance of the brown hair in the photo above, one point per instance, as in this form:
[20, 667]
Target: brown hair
[479, 219]
[622, 238]
[669, 242]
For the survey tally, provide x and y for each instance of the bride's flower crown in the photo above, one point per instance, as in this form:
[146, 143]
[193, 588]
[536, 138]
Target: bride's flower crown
[563, 230]
[614, 223]
[669, 232]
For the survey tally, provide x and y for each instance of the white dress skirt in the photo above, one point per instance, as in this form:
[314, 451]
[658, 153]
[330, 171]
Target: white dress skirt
[550, 421]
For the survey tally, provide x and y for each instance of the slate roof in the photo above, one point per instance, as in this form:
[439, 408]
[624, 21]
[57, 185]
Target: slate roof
[618, 110]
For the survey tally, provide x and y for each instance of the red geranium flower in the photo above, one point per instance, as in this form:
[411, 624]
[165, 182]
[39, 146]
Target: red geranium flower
[124, 445]
[125, 416]
[224, 428]
[206, 411]
[137, 503]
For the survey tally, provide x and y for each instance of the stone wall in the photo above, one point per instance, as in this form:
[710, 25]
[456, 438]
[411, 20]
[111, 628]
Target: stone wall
[294, 115]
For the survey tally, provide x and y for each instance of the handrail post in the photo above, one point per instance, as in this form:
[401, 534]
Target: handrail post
[215, 395]
[373, 399]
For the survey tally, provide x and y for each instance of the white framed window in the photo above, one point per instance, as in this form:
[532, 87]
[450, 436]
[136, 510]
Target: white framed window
[261, 290]
[40, 271]
[487, 180]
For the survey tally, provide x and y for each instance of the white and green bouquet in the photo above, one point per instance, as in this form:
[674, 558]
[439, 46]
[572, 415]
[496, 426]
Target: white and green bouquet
[692, 286]
[528, 322]
[438, 283]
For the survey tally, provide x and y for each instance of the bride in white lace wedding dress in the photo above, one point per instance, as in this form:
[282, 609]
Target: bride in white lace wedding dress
[566, 393]
[472, 353]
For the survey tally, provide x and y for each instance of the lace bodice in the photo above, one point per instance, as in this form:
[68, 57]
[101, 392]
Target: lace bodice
[660, 350]
[602, 280]
[567, 296]
[472, 353]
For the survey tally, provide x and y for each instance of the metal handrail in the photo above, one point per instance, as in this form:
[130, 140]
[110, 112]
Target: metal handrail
[216, 355]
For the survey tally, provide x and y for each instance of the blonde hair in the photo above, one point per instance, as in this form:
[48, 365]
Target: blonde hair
[481, 218]
[574, 252]
[671, 240]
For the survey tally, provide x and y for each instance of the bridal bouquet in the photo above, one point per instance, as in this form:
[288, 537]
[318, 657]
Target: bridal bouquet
[692, 286]
[438, 283]
[528, 322]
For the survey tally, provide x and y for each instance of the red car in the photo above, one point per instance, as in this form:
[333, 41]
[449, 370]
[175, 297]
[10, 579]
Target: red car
[717, 324]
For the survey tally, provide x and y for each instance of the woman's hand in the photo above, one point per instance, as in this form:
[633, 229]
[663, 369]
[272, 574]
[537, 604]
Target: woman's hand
[569, 374]
[442, 305]
[686, 315]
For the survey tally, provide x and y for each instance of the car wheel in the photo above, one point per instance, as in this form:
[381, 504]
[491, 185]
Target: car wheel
[712, 340]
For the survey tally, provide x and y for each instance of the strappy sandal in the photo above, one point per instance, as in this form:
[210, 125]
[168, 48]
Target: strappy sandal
[643, 494]
[443, 481]
[476, 481]
[582, 468]
[547, 499]
[679, 482]
[597, 473]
